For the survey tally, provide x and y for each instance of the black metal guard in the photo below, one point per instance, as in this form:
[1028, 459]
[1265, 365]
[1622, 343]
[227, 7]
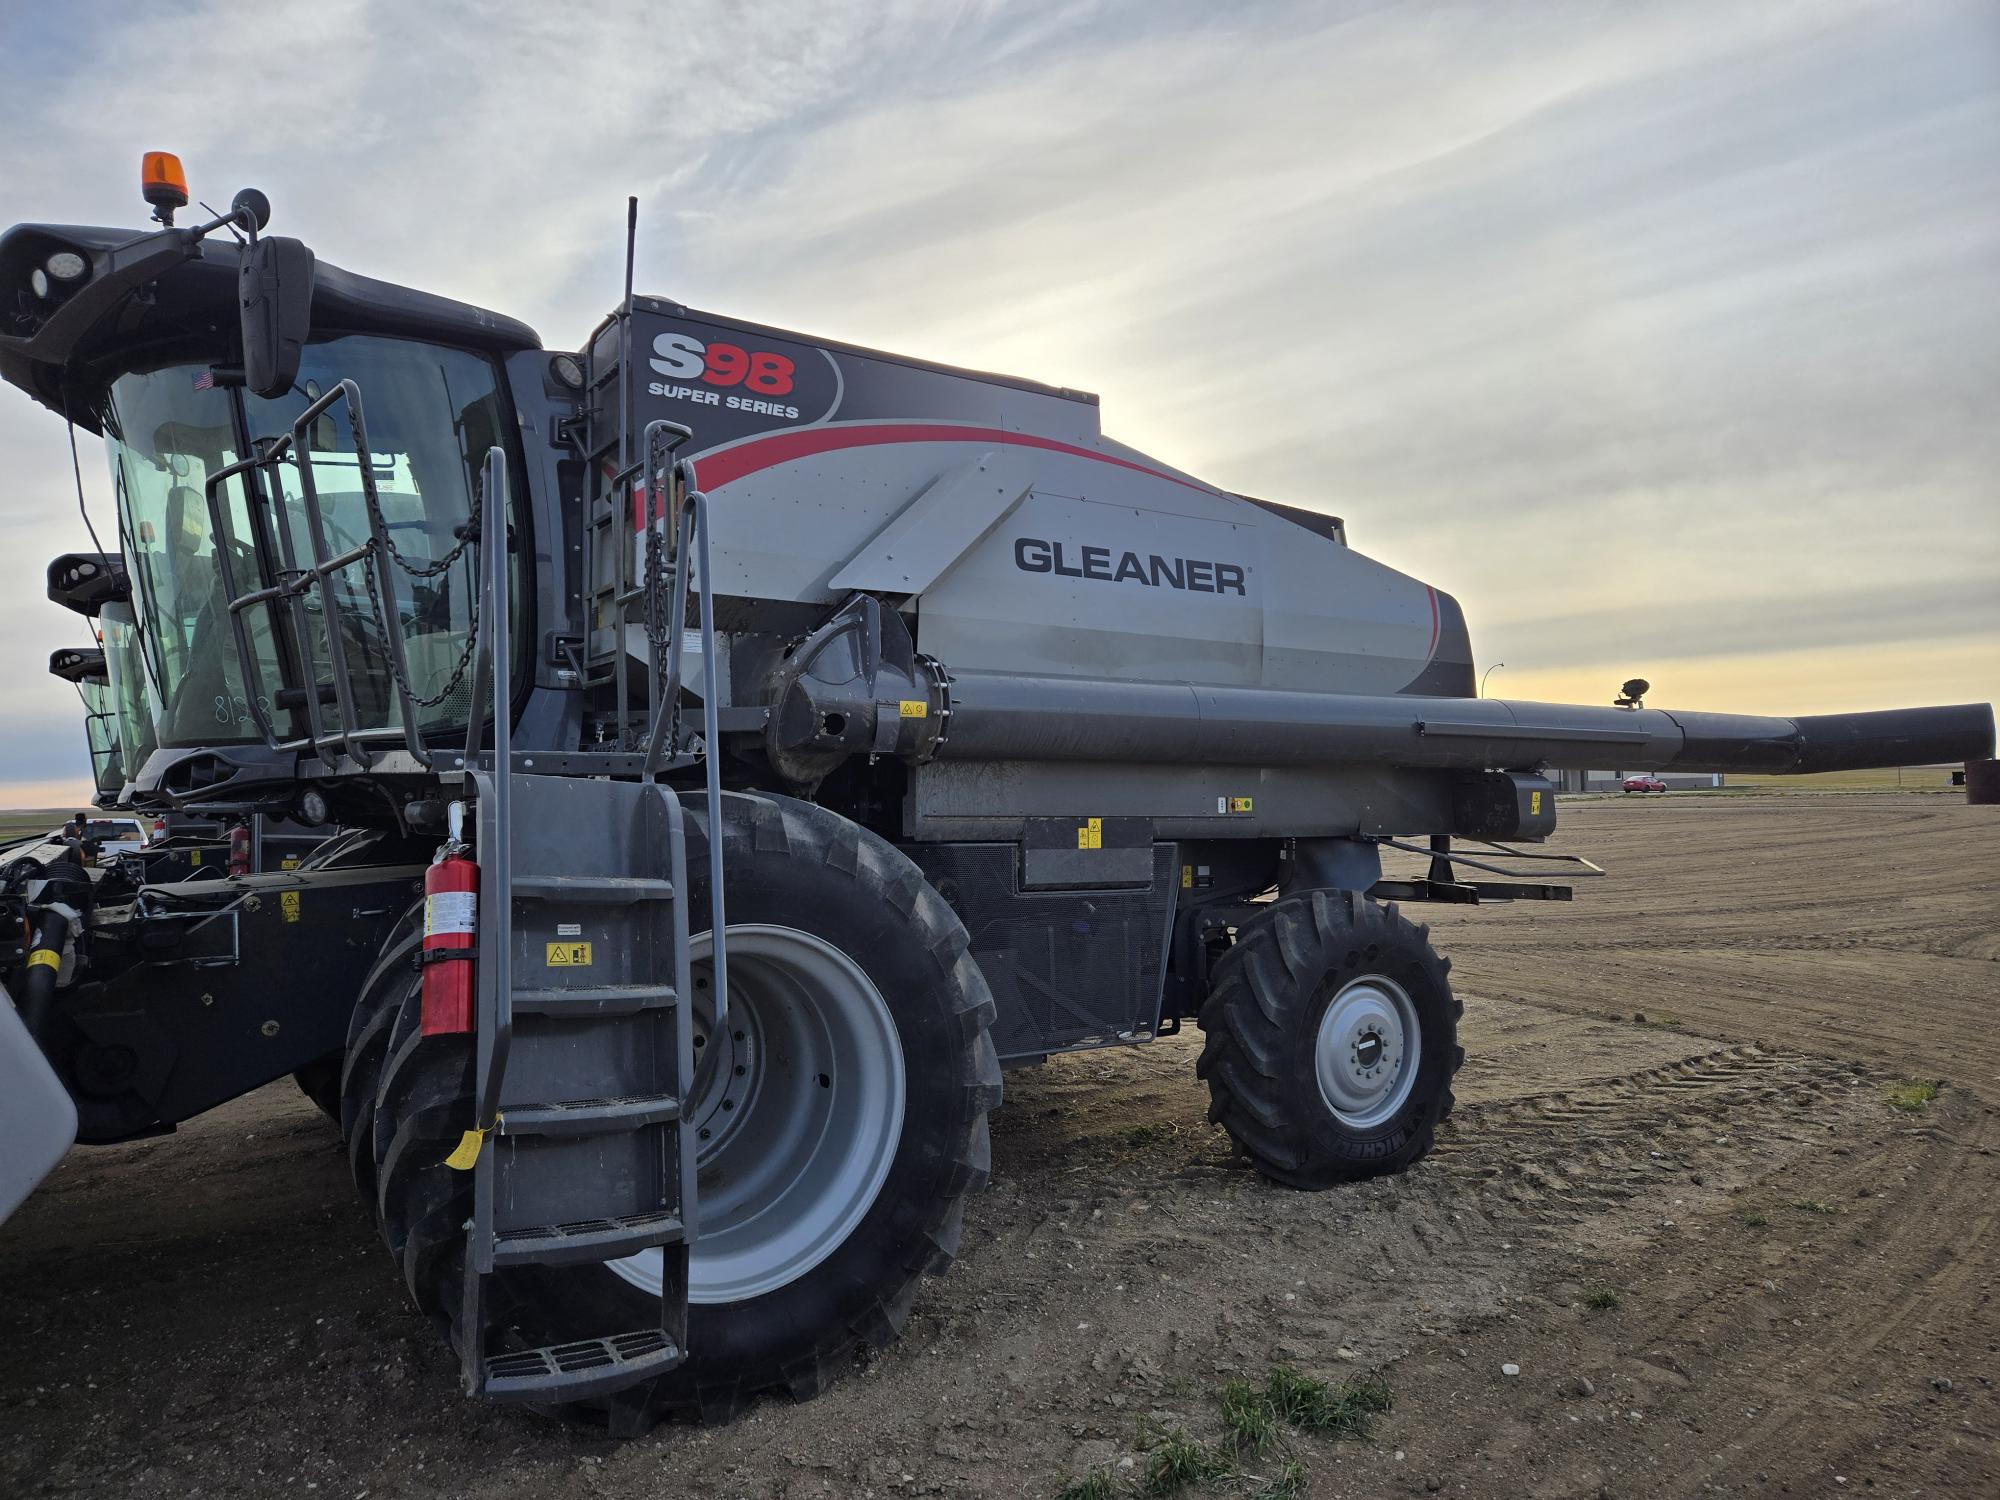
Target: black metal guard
[1441, 882]
[295, 578]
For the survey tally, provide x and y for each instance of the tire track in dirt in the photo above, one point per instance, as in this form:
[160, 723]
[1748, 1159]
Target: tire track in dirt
[1946, 1278]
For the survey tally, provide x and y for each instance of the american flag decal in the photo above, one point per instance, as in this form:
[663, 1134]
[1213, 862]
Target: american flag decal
[205, 381]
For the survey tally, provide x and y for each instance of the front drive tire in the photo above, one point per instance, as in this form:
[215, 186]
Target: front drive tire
[1331, 1040]
[789, 867]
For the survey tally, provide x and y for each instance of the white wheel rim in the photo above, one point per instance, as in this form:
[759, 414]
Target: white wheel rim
[1367, 1052]
[798, 1121]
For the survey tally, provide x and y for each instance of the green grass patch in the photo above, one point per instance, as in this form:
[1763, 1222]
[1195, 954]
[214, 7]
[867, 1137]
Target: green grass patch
[1319, 1406]
[1096, 1485]
[1249, 1421]
[1249, 1459]
[1174, 1461]
[1912, 1094]
[1603, 1299]
[1289, 1483]
[1813, 1206]
[1755, 1218]
[1150, 1134]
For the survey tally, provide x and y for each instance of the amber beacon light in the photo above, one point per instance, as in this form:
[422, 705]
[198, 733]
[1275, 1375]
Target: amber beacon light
[164, 184]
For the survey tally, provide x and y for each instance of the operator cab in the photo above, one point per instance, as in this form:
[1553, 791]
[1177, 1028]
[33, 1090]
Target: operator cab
[196, 357]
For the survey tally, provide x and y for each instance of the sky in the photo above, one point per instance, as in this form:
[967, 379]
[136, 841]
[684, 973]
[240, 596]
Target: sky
[1665, 336]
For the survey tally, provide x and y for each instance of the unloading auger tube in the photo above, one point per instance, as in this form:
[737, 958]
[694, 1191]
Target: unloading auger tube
[1004, 740]
[1000, 717]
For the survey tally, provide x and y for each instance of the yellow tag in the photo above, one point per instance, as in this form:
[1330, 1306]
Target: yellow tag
[569, 955]
[1534, 802]
[45, 958]
[288, 903]
[1187, 877]
[194, 856]
[915, 708]
[291, 862]
[467, 1152]
[1091, 835]
[1239, 804]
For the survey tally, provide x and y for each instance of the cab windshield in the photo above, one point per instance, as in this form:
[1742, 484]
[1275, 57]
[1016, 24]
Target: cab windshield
[431, 415]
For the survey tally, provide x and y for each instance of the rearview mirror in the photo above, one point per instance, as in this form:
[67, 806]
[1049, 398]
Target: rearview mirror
[275, 287]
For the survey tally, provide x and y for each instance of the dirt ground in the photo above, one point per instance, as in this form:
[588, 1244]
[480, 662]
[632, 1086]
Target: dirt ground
[1718, 1254]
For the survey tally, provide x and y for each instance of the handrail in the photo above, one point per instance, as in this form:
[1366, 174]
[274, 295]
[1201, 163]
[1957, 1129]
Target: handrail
[690, 536]
[496, 966]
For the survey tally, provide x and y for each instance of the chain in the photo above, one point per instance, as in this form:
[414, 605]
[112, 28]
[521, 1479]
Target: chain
[656, 580]
[379, 527]
[398, 669]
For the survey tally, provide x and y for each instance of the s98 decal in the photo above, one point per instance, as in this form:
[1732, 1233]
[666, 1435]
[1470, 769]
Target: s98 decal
[681, 356]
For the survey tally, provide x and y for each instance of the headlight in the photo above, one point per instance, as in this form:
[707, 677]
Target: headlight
[38, 283]
[568, 370]
[66, 265]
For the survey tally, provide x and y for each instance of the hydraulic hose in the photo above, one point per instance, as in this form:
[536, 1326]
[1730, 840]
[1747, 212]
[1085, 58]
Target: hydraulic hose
[38, 984]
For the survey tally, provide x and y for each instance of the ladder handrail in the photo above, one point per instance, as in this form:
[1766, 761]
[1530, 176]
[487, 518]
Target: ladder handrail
[496, 968]
[691, 536]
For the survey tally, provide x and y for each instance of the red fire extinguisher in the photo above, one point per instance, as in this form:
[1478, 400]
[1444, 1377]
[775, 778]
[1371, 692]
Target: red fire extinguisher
[451, 921]
[239, 849]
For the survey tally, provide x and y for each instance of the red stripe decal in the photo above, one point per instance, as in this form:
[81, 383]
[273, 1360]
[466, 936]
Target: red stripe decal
[727, 465]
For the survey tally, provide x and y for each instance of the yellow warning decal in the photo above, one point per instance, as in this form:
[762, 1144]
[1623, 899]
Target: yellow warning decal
[915, 708]
[1239, 804]
[194, 855]
[1187, 877]
[467, 1151]
[1091, 834]
[1534, 803]
[290, 862]
[569, 955]
[288, 904]
[45, 958]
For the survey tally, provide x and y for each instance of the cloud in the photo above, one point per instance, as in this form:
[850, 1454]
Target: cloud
[1658, 323]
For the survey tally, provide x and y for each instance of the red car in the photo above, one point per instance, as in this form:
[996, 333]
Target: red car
[1643, 784]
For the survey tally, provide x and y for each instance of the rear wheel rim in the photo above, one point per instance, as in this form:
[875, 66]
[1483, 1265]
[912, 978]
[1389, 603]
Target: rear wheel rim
[1367, 1052]
[797, 1117]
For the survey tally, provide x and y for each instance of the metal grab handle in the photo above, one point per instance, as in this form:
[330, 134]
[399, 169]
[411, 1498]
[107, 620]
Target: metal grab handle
[697, 504]
[495, 1031]
[691, 535]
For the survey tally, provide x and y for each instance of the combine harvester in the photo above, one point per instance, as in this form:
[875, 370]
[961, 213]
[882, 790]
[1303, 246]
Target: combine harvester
[752, 745]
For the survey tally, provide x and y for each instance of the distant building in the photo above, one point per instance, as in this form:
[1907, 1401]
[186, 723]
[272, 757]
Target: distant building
[1609, 781]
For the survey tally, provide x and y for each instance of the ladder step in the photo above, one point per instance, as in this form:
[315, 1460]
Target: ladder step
[589, 1116]
[597, 1000]
[587, 1239]
[594, 890]
[578, 1371]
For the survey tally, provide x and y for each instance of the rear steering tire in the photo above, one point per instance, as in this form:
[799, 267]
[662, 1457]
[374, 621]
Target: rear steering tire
[847, 954]
[1331, 1040]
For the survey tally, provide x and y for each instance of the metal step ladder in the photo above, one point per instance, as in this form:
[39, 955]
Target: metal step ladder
[584, 1044]
[588, 1060]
